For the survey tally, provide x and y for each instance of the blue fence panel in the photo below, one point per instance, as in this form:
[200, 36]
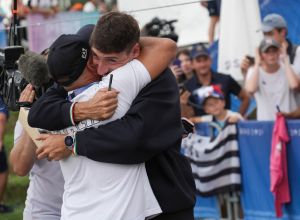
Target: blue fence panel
[207, 207]
[255, 145]
[293, 153]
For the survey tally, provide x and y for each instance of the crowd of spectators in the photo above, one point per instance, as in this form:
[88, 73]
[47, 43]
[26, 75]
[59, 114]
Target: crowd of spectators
[272, 77]
[47, 8]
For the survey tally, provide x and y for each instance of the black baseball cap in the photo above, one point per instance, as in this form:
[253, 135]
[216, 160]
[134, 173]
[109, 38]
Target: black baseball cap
[68, 56]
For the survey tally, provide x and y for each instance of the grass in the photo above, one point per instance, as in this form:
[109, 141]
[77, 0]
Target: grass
[15, 193]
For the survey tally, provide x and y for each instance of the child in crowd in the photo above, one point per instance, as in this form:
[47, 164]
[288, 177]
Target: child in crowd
[213, 103]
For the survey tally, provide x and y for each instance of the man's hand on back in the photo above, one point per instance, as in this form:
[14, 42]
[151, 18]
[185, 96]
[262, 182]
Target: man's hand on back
[102, 106]
[53, 147]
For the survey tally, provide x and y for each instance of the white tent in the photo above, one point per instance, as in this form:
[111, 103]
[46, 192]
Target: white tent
[240, 34]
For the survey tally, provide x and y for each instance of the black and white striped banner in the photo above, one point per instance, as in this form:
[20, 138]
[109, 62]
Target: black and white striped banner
[215, 164]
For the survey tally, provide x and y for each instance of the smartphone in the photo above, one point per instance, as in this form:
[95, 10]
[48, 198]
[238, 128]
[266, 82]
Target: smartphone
[177, 62]
[251, 60]
[188, 126]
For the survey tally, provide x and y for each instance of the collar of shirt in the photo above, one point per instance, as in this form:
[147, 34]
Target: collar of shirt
[194, 82]
[76, 92]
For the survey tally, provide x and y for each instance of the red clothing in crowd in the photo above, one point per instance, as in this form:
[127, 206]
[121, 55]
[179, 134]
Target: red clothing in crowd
[278, 164]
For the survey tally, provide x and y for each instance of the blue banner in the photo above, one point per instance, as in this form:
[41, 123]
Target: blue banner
[255, 140]
[255, 147]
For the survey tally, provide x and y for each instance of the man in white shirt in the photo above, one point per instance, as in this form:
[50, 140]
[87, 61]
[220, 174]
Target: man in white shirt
[144, 140]
[104, 190]
[273, 83]
[275, 26]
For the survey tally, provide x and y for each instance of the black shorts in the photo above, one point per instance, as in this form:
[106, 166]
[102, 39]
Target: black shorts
[3, 161]
[213, 7]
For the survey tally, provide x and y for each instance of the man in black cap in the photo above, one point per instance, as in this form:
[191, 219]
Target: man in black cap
[204, 76]
[136, 137]
[71, 53]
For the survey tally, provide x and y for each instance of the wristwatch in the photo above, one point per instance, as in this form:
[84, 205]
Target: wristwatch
[69, 141]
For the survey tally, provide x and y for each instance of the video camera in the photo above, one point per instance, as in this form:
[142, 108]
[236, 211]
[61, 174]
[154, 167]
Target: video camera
[161, 28]
[17, 70]
[11, 79]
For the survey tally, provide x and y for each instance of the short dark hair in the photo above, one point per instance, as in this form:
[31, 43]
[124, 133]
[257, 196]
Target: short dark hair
[184, 52]
[115, 32]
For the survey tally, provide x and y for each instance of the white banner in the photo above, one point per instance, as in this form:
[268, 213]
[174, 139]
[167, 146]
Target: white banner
[240, 34]
[193, 19]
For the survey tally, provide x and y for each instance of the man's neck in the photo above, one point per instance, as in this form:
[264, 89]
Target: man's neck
[205, 79]
[271, 68]
[83, 80]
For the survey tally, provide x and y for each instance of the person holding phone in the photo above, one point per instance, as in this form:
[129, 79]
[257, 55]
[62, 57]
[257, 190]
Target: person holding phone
[272, 80]
[182, 66]
[275, 26]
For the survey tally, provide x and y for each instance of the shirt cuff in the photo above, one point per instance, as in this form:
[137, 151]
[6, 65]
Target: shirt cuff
[72, 113]
[74, 151]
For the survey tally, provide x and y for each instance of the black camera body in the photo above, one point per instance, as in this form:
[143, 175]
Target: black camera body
[11, 79]
[161, 28]
[9, 56]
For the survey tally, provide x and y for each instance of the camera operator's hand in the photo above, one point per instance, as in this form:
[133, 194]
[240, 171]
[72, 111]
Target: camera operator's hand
[28, 94]
[53, 147]
[102, 106]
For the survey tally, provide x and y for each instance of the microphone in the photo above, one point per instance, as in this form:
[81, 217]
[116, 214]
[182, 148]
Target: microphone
[34, 69]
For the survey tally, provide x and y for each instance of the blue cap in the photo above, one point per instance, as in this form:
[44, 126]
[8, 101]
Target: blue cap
[273, 21]
[198, 51]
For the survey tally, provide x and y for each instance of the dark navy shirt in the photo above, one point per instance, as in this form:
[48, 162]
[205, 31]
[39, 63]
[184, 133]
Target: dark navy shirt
[225, 82]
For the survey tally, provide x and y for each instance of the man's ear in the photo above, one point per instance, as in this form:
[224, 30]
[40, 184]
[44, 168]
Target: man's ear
[90, 64]
[135, 51]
